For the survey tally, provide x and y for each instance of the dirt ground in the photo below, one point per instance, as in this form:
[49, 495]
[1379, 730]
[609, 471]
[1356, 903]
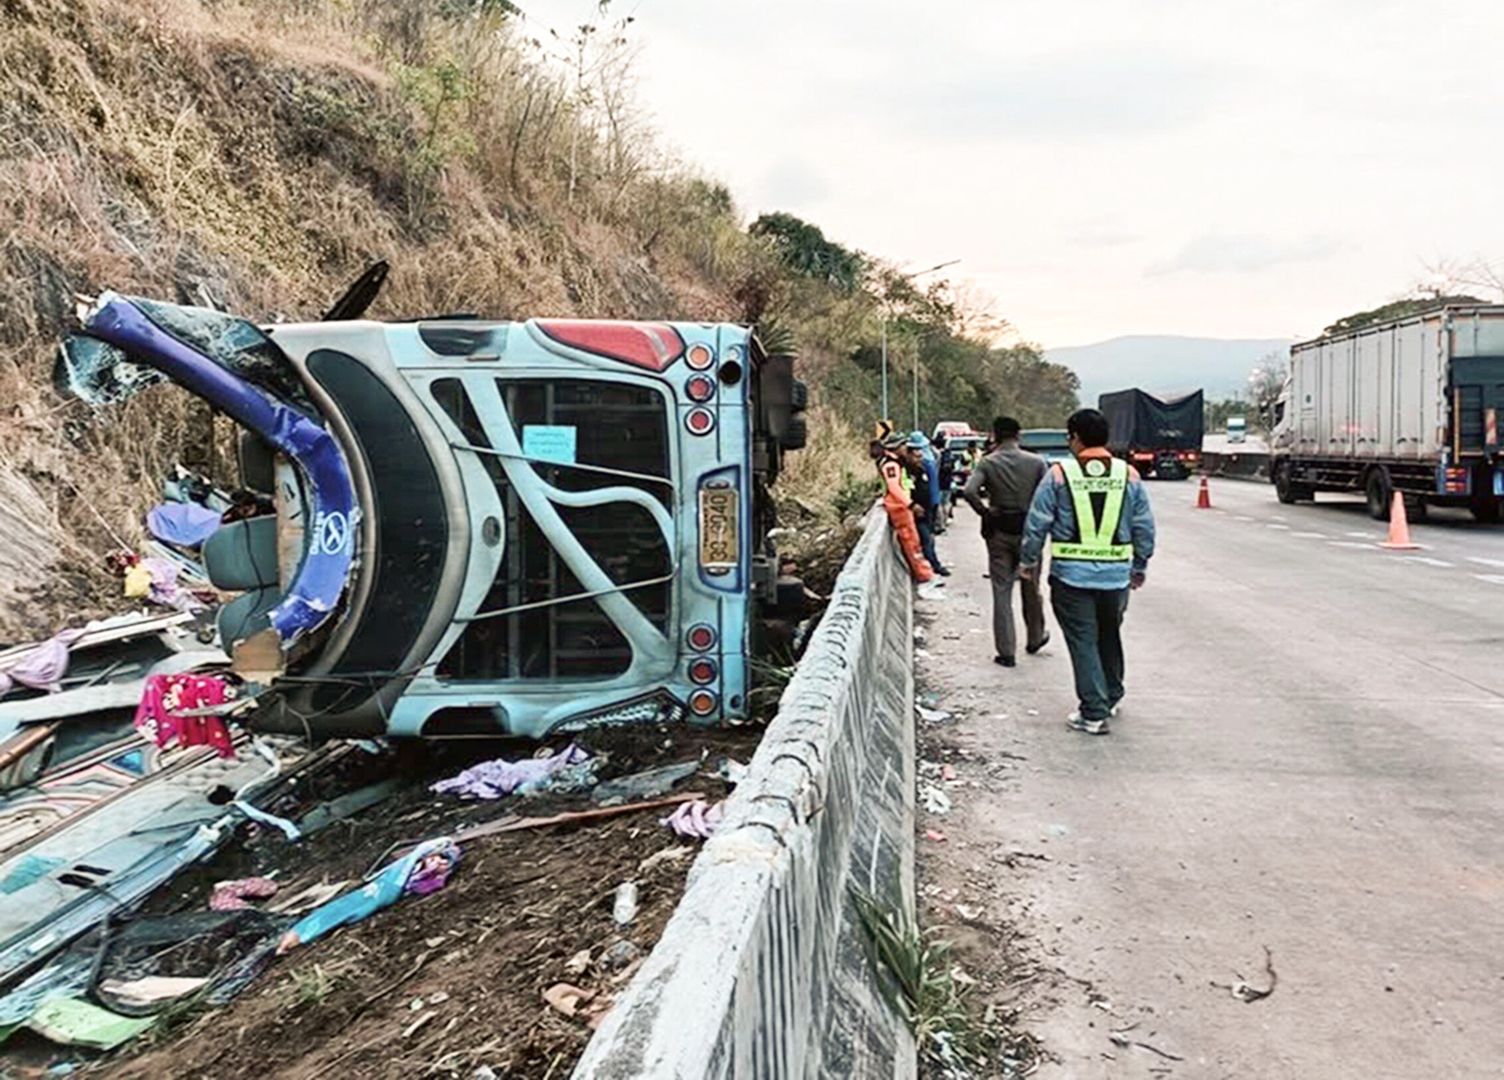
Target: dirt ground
[452, 983]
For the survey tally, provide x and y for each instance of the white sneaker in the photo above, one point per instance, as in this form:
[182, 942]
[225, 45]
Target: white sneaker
[1090, 727]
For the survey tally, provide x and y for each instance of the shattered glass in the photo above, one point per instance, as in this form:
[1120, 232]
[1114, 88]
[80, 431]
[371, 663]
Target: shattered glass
[233, 343]
[99, 373]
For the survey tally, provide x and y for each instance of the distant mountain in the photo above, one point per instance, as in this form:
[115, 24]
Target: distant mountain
[1166, 363]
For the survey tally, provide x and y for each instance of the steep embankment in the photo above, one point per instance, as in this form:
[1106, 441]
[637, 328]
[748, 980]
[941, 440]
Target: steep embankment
[259, 156]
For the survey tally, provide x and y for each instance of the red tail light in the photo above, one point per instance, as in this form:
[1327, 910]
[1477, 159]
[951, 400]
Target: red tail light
[702, 703]
[702, 637]
[700, 388]
[700, 357]
[702, 671]
[653, 346]
[700, 421]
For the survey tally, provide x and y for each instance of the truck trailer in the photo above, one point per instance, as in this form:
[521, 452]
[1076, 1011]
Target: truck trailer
[1158, 436]
[1410, 405]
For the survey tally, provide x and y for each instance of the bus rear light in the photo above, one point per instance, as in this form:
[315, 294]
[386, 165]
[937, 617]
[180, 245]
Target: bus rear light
[700, 421]
[701, 638]
[700, 357]
[653, 346]
[700, 388]
[702, 703]
[702, 671]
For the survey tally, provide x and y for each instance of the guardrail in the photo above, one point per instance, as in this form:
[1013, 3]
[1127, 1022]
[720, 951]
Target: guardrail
[761, 971]
[1237, 465]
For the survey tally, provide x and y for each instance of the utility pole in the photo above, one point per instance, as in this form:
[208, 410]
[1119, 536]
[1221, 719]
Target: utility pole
[915, 389]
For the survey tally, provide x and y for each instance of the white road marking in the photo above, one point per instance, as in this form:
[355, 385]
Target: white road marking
[1350, 544]
[1277, 525]
[1241, 517]
[1427, 560]
[1492, 579]
[1310, 535]
[1366, 535]
[1485, 562]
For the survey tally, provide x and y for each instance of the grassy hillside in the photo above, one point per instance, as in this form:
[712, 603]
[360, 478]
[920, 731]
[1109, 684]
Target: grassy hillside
[258, 155]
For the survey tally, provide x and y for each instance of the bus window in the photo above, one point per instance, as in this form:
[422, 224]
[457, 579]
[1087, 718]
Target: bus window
[526, 627]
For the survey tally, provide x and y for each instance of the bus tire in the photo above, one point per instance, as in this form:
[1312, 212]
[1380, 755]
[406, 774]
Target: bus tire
[797, 433]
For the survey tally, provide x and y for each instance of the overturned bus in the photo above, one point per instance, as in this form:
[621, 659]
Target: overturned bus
[479, 526]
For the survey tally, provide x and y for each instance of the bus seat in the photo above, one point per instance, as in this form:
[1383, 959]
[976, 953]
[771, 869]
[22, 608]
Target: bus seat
[246, 615]
[243, 554]
[257, 462]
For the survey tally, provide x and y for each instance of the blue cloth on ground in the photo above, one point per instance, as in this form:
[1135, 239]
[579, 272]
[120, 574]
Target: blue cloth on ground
[184, 524]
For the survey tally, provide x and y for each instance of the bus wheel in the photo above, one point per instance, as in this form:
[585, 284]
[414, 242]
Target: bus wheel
[1380, 493]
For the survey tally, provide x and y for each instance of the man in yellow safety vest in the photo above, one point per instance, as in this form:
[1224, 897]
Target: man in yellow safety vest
[1095, 513]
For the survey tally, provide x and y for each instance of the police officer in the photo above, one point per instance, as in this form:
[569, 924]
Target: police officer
[1000, 489]
[1095, 512]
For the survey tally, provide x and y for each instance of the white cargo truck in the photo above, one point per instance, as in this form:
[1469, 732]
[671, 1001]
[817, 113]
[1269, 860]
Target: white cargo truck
[1411, 405]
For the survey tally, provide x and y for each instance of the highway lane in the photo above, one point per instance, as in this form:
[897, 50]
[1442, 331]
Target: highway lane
[1311, 758]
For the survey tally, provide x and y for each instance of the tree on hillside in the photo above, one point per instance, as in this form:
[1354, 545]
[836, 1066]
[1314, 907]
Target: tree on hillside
[805, 250]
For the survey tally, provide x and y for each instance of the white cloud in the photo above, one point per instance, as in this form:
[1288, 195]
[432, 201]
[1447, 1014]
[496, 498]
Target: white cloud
[1245, 254]
[1241, 168]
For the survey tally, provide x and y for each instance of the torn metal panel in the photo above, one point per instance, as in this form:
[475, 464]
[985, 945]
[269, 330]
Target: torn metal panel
[104, 863]
[140, 338]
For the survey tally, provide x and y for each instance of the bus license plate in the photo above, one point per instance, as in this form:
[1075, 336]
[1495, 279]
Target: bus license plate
[719, 549]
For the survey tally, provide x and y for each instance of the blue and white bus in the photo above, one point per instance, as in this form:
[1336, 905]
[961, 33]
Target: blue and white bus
[480, 526]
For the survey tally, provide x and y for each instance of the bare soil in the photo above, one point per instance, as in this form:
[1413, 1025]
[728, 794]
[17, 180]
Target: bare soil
[446, 984]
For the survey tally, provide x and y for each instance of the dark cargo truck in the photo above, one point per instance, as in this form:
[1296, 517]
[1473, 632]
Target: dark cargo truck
[1158, 436]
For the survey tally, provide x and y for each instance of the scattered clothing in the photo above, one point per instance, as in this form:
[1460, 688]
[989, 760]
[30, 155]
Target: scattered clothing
[185, 524]
[237, 894]
[41, 667]
[500, 778]
[74, 1022]
[695, 820]
[423, 870]
[165, 697]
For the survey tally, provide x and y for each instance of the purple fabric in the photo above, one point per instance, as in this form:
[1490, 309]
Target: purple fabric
[184, 524]
[325, 569]
[695, 820]
[432, 870]
[165, 589]
[499, 778]
[41, 667]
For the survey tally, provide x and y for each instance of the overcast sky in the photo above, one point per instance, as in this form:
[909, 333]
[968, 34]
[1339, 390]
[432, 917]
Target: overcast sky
[1214, 168]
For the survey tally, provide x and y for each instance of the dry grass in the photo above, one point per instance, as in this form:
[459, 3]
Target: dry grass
[258, 156]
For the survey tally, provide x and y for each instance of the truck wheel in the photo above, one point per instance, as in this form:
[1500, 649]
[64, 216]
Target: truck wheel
[1380, 493]
[1485, 511]
[1288, 489]
[1284, 487]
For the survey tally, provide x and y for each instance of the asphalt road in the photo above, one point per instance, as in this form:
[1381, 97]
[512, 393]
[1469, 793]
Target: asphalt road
[1310, 760]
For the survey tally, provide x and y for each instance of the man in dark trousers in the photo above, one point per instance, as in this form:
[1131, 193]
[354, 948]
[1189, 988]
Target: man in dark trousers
[1094, 510]
[1000, 490]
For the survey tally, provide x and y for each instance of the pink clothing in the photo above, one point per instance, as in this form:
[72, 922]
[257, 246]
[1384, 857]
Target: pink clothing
[167, 696]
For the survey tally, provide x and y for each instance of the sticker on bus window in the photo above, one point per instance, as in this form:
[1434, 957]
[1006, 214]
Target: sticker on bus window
[548, 442]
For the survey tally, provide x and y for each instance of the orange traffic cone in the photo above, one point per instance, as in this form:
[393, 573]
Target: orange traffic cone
[1204, 496]
[1399, 527]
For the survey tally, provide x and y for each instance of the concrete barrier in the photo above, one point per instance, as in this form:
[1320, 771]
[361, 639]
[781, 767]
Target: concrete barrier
[762, 972]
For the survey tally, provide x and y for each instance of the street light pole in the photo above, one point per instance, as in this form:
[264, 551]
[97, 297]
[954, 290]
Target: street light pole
[915, 388]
